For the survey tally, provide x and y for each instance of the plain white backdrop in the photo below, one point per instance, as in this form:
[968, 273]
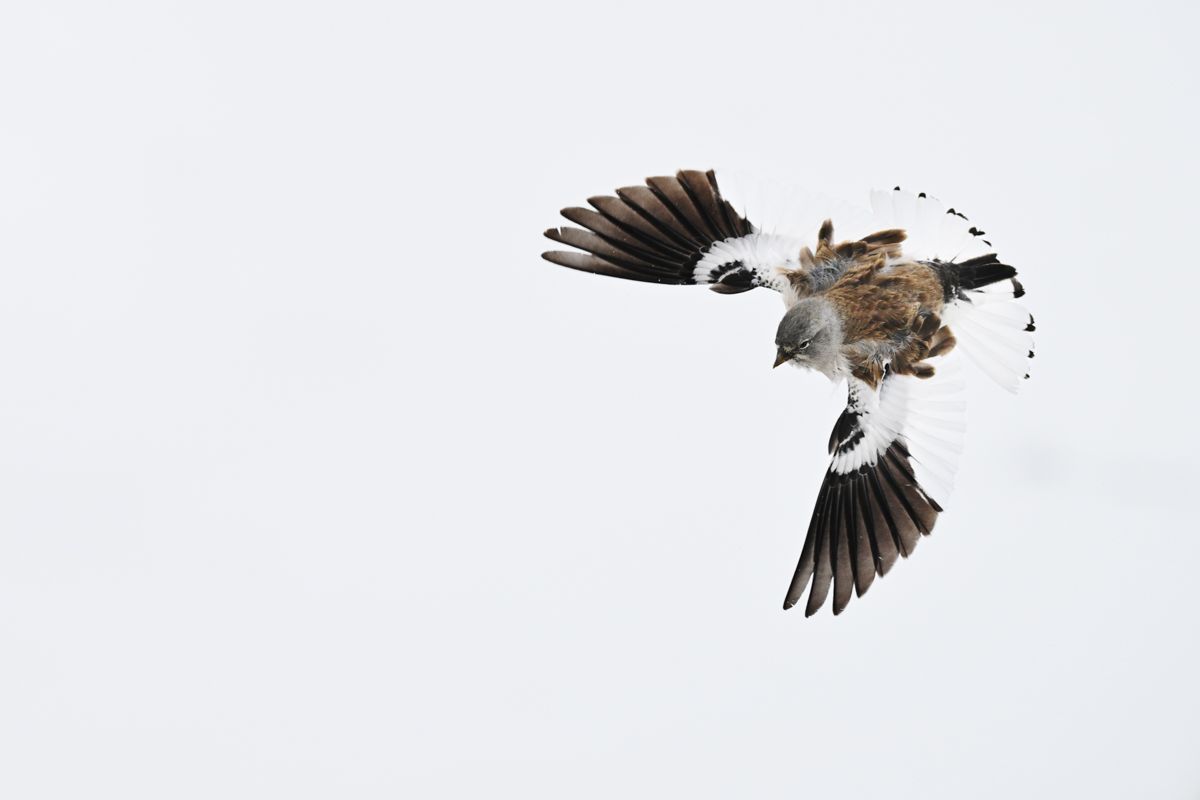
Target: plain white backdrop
[315, 481]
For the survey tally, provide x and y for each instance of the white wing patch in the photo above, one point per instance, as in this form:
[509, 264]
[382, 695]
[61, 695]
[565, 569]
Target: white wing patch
[927, 415]
[765, 254]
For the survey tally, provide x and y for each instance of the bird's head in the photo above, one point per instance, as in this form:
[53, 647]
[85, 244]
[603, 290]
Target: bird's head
[810, 335]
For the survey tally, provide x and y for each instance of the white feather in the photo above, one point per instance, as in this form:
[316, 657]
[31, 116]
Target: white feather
[929, 415]
[991, 329]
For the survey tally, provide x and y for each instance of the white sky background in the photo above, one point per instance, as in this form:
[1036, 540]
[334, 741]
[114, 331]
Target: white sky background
[315, 481]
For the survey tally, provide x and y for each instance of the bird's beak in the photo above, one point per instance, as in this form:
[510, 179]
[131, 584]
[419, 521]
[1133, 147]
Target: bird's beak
[781, 358]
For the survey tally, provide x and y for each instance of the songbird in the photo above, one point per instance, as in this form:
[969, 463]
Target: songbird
[882, 309]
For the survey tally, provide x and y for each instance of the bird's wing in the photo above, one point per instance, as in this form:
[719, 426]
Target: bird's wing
[676, 230]
[894, 449]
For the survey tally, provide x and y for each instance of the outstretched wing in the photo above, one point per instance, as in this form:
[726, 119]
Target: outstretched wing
[677, 230]
[894, 454]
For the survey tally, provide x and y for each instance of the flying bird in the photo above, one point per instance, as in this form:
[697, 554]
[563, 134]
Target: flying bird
[885, 308]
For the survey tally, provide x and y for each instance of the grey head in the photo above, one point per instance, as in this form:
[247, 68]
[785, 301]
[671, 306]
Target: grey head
[810, 335]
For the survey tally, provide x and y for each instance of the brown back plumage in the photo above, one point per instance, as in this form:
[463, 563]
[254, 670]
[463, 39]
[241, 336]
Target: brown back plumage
[830, 260]
[889, 310]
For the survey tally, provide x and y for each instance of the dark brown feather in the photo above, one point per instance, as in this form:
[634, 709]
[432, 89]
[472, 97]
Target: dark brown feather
[695, 184]
[862, 522]
[585, 262]
[942, 343]
[825, 234]
[617, 234]
[599, 246]
[657, 232]
[879, 526]
[804, 569]
[822, 576]
[671, 192]
[734, 221]
[659, 215]
[862, 542]
[843, 577]
[635, 221]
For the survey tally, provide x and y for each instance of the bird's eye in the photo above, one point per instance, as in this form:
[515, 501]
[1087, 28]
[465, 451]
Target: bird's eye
[804, 344]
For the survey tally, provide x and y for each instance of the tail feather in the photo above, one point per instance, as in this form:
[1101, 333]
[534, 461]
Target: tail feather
[974, 274]
[983, 271]
[994, 330]
[980, 290]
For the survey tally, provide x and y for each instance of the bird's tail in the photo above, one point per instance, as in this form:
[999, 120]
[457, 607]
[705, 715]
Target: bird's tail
[994, 330]
[991, 327]
[976, 273]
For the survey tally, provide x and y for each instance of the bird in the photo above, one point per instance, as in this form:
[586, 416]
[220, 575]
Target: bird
[884, 309]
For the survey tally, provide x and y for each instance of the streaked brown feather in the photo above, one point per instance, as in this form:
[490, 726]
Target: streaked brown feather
[893, 308]
[942, 343]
